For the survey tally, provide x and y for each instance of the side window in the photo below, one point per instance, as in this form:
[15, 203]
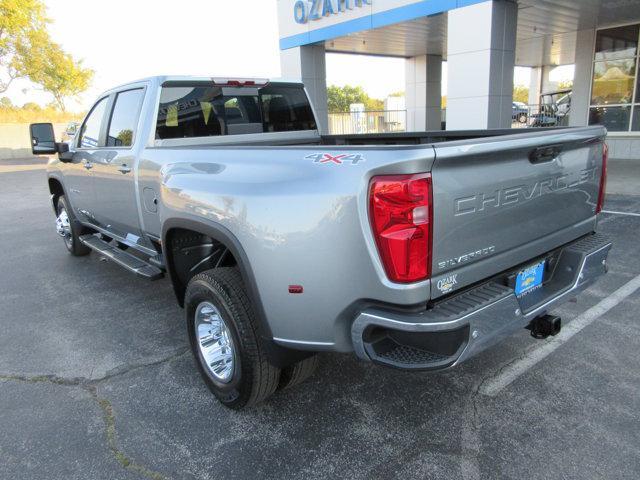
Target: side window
[187, 112]
[90, 131]
[124, 118]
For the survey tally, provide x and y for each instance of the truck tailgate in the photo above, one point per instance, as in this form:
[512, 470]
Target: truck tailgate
[500, 202]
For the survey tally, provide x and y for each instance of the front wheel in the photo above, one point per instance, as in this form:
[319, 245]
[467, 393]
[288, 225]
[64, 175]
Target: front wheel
[223, 332]
[69, 229]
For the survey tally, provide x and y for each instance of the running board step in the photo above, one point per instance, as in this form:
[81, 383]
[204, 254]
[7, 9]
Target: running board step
[122, 258]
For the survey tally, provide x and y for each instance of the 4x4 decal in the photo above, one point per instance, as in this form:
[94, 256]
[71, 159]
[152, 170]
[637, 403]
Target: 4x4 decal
[340, 159]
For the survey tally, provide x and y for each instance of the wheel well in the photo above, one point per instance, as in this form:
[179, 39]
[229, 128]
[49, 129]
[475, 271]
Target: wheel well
[189, 252]
[55, 187]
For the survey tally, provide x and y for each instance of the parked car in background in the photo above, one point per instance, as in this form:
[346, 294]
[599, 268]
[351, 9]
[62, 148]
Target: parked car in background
[520, 112]
[70, 131]
[412, 250]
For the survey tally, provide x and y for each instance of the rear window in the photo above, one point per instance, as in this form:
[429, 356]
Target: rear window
[124, 118]
[205, 111]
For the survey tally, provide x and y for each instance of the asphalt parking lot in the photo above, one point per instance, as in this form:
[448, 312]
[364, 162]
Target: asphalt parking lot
[96, 382]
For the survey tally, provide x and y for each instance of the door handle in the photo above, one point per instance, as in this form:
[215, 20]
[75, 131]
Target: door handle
[88, 165]
[545, 154]
[124, 169]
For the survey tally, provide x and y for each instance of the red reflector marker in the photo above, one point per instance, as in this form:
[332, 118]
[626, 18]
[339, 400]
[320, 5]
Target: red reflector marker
[603, 178]
[296, 289]
[401, 211]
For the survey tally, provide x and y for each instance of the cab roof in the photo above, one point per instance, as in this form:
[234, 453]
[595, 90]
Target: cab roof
[160, 79]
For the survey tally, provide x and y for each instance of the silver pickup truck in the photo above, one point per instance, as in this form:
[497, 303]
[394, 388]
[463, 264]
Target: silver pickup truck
[414, 251]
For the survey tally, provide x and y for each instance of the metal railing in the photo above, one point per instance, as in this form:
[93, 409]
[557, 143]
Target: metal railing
[532, 116]
[367, 122]
[527, 116]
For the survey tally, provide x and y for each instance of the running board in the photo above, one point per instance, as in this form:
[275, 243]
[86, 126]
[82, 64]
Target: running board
[122, 258]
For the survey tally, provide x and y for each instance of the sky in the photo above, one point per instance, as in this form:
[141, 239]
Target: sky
[123, 40]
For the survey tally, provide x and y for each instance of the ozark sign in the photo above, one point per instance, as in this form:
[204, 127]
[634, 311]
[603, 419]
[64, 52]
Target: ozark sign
[305, 10]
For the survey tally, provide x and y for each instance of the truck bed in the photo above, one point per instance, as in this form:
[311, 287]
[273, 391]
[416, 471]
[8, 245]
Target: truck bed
[283, 139]
[500, 197]
[421, 138]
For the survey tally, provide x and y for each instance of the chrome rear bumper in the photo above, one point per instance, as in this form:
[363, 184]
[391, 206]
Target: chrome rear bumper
[466, 324]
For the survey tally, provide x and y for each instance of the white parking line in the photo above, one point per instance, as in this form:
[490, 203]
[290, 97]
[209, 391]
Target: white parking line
[493, 386]
[621, 213]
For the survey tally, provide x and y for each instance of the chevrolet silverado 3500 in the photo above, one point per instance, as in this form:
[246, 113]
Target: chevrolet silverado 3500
[412, 250]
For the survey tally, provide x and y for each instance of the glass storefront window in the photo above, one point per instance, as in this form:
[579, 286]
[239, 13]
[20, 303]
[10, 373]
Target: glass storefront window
[613, 82]
[617, 43]
[616, 119]
[614, 86]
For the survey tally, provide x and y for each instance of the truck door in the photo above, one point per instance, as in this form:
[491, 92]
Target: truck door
[116, 206]
[77, 174]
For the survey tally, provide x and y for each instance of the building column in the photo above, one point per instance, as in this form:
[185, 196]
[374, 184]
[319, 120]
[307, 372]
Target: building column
[581, 98]
[423, 90]
[535, 86]
[308, 64]
[481, 43]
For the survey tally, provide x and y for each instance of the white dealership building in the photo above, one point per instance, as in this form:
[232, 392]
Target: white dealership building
[481, 41]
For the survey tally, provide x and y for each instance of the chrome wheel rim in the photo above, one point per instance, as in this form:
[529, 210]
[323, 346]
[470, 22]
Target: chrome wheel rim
[215, 342]
[63, 227]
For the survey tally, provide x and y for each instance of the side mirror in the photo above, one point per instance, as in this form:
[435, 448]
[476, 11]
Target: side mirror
[43, 140]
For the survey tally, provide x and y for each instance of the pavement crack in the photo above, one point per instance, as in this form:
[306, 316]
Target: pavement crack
[123, 370]
[91, 387]
[112, 438]
[53, 379]
[471, 440]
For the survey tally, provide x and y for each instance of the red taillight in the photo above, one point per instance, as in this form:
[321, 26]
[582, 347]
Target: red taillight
[401, 218]
[603, 178]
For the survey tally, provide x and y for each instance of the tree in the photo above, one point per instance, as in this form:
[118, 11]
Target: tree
[19, 19]
[5, 102]
[565, 85]
[521, 94]
[26, 51]
[31, 106]
[340, 99]
[61, 76]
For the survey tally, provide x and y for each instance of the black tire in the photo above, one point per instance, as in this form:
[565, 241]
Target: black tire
[522, 118]
[298, 372]
[254, 378]
[71, 241]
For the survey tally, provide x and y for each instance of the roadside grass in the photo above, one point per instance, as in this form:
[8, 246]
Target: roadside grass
[47, 114]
